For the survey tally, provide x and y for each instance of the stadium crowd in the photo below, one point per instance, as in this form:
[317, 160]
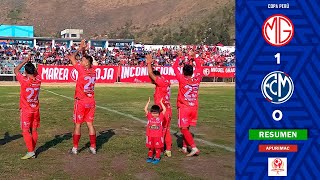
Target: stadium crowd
[11, 54]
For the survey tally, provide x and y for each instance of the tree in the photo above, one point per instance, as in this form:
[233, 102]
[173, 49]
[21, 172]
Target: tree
[157, 40]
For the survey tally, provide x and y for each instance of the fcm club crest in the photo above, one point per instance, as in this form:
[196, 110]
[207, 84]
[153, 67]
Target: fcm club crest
[277, 87]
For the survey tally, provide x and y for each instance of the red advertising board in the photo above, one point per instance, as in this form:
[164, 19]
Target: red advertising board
[140, 74]
[105, 74]
[132, 74]
[222, 72]
[137, 74]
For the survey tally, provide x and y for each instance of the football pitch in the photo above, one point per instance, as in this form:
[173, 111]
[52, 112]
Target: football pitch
[119, 122]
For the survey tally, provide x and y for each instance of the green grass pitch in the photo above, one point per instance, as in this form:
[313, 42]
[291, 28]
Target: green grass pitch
[120, 139]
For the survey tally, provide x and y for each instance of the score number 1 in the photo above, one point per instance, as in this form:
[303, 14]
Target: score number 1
[277, 56]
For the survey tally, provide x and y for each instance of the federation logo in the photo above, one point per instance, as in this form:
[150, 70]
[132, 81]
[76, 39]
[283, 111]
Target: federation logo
[206, 71]
[277, 166]
[278, 30]
[74, 74]
[277, 87]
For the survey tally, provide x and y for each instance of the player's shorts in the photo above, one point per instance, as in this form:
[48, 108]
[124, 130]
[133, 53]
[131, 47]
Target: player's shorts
[154, 142]
[83, 111]
[167, 118]
[29, 119]
[187, 117]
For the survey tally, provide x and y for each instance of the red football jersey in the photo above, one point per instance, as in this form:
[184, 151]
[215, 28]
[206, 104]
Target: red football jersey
[29, 92]
[188, 87]
[154, 126]
[162, 90]
[85, 83]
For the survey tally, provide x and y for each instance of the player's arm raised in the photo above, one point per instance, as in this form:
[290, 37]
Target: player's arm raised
[176, 65]
[72, 57]
[198, 65]
[192, 54]
[164, 109]
[150, 71]
[17, 69]
[146, 107]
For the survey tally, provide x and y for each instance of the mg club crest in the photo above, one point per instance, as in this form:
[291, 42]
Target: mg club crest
[74, 74]
[278, 30]
[277, 87]
[206, 71]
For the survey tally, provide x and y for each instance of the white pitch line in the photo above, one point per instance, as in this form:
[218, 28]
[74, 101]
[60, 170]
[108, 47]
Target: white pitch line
[143, 121]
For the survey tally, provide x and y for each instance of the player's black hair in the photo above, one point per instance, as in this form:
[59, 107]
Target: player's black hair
[30, 69]
[155, 109]
[156, 73]
[187, 70]
[89, 58]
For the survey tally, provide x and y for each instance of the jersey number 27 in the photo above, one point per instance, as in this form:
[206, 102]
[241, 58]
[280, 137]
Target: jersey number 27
[89, 86]
[34, 93]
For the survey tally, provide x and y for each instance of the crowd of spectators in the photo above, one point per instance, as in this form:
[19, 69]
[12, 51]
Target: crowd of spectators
[12, 54]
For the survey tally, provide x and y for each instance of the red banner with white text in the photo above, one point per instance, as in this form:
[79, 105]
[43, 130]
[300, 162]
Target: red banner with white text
[104, 74]
[140, 74]
[137, 74]
[132, 74]
[221, 72]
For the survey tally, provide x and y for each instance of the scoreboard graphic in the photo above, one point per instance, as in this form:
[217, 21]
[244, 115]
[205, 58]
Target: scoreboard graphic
[277, 89]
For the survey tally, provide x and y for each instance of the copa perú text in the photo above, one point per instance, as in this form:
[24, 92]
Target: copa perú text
[279, 6]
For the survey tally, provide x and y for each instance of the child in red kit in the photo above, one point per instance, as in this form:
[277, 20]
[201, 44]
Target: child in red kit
[154, 131]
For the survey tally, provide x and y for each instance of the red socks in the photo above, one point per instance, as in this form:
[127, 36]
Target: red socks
[188, 137]
[76, 139]
[184, 143]
[158, 153]
[93, 140]
[28, 140]
[34, 138]
[150, 153]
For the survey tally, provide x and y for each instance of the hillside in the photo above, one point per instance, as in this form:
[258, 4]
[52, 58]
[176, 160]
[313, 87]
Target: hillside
[101, 17]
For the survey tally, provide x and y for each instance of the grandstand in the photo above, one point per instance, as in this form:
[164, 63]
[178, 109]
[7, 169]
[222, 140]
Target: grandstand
[111, 52]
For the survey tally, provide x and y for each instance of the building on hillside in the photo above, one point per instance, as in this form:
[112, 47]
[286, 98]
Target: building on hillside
[72, 33]
[24, 36]
[45, 41]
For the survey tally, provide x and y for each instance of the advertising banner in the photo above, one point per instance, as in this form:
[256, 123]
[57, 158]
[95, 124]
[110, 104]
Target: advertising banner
[136, 74]
[129, 74]
[62, 74]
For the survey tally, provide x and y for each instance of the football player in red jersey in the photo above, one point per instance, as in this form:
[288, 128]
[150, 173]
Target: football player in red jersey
[29, 104]
[162, 91]
[187, 102]
[154, 131]
[85, 104]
